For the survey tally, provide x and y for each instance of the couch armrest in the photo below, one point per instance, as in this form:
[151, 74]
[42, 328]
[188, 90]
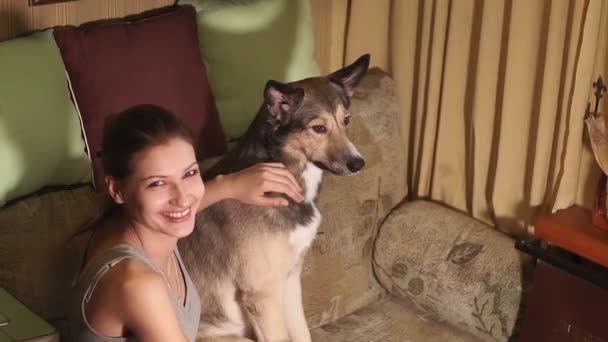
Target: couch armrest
[454, 267]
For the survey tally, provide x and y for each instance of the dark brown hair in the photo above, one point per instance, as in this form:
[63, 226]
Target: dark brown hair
[134, 130]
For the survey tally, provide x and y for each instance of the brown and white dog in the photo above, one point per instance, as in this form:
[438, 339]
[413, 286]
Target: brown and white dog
[246, 260]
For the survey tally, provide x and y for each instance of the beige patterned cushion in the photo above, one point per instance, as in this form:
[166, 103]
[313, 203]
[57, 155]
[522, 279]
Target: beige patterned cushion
[390, 320]
[453, 267]
[39, 246]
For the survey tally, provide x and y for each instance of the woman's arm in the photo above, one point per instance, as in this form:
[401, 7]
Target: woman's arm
[250, 185]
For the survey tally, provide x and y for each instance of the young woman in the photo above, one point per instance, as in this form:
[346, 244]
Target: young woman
[134, 285]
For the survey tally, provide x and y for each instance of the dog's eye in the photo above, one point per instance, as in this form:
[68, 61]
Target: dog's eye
[319, 129]
[346, 120]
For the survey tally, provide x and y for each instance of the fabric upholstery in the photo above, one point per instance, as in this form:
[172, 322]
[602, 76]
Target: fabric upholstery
[246, 43]
[40, 139]
[40, 247]
[151, 61]
[390, 320]
[451, 265]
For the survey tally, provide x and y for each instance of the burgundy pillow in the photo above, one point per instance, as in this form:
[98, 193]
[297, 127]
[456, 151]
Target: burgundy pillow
[155, 60]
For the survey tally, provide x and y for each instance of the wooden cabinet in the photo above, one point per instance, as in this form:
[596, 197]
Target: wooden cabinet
[568, 300]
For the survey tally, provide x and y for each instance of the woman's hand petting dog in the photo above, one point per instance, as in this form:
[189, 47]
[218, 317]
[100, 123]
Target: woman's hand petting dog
[251, 185]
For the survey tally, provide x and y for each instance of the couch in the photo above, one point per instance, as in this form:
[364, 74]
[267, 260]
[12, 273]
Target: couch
[382, 268]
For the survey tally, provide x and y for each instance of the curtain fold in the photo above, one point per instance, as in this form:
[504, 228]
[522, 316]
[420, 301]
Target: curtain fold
[492, 95]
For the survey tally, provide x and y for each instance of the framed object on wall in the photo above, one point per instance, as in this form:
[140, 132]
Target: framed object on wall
[46, 2]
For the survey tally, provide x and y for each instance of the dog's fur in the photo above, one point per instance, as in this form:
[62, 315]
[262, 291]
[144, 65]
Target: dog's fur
[246, 260]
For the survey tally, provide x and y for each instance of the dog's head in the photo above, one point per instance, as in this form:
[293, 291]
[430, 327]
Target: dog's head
[310, 117]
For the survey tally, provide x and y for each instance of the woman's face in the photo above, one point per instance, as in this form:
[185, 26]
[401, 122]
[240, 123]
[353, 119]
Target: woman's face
[164, 188]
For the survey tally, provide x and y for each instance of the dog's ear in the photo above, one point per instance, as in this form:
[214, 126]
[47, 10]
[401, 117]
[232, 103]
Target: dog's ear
[282, 100]
[349, 77]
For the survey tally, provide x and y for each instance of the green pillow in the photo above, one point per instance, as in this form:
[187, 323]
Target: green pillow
[246, 43]
[40, 137]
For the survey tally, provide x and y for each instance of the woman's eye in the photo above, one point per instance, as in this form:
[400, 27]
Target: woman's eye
[346, 120]
[156, 184]
[319, 129]
[191, 173]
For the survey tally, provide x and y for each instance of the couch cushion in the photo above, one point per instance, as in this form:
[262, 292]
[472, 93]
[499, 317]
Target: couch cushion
[40, 138]
[337, 273]
[453, 266]
[390, 320]
[155, 60]
[40, 248]
[246, 43]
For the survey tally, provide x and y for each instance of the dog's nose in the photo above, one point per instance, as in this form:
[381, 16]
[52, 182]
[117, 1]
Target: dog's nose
[355, 164]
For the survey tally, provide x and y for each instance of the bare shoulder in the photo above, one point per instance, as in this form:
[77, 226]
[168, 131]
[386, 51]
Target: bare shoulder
[130, 280]
[124, 280]
[136, 298]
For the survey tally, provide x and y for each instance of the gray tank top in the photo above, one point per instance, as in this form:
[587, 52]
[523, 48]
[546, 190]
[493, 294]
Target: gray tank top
[188, 313]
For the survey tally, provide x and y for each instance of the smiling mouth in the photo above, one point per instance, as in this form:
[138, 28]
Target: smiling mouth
[177, 215]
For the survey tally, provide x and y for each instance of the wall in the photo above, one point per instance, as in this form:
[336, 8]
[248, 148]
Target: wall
[17, 17]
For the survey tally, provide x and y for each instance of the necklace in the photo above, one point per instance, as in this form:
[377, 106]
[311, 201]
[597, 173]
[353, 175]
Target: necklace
[174, 290]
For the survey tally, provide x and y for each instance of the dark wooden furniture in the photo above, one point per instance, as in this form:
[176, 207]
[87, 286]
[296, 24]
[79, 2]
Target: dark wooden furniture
[573, 230]
[568, 300]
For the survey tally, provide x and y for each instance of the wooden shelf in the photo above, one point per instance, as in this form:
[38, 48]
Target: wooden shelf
[573, 230]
